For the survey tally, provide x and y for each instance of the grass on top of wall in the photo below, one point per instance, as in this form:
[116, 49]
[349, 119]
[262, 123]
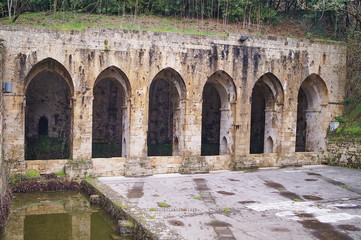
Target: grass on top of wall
[82, 21]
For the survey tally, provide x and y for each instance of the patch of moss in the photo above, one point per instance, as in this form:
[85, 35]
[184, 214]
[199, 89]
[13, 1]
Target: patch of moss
[60, 173]
[32, 174]
[163, 204]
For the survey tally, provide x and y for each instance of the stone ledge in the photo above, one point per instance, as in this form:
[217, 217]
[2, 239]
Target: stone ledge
[145, 226]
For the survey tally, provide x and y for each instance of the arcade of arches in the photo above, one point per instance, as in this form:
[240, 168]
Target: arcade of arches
[49, 112]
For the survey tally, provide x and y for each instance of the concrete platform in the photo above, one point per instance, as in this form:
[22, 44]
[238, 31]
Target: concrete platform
[311, 202]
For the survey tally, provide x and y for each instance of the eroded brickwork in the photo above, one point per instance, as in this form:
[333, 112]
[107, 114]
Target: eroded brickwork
[261, 69]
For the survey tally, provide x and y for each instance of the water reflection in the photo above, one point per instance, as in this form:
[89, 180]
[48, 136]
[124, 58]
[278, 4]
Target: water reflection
[57, 216]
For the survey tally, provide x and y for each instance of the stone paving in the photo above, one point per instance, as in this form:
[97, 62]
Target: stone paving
[310, 202]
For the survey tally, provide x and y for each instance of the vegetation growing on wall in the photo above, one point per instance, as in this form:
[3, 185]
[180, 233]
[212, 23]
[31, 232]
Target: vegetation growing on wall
[45, 147]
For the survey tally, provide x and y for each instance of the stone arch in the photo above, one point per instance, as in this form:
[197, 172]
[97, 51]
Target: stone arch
[311, 100]
[48, 91]
[266, 109]
[167, 94]
[50, 65]
[111, 110]
[219, 92]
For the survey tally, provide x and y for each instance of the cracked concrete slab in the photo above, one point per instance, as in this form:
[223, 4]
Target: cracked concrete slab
[311, 202]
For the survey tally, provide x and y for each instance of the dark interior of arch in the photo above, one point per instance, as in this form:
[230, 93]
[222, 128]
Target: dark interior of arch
[107, 119]
[43, 126]
[47, 117]
[162, 98]
[211, 120]
[302, 106]
[257, 120]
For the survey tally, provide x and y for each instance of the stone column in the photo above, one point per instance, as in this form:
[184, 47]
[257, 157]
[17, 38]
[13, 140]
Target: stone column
[138, 124]
[226, 132]
[81, 226]
[82, 126]
[193, 128]
[14, 131]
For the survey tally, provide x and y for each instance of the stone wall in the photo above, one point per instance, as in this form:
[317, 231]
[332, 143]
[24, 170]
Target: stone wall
[4, 193]
[343, 153]
[240, 71]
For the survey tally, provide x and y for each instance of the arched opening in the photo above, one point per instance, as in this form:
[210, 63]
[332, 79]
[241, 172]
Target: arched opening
[217, 117]
[266, 103]
[269, 145]
[165, 113]
[48, 112]
[301, 127]
[257, 120]
[224, 146]
[110, 114]
[176, 146]
[311, 128]
[211, 120]
[43, 126]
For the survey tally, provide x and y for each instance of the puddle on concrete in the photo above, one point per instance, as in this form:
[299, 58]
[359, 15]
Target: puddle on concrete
[225, 193]
[311, 197]
[311, 180]
[233, 180]
[282, 190]
[218, 224]
[136, 191]
[348, 227]
[58, 215]
[246, 202]
[313, 174]
[176, 223]
[322, 231]
[274, 185]
[201, 184]
[280, 230]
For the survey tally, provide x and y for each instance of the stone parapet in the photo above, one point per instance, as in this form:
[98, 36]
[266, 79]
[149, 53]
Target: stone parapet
[343, 153]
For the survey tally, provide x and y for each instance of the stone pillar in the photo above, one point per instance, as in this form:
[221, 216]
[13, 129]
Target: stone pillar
[81, 226]
[226, 132]
[15, 227]
[14, 132]
[138, 124]
[193, 128]
[315, 134]
[82, 126]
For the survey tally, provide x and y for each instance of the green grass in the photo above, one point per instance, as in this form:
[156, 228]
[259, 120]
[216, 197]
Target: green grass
[60, 173]
[350, 126]
[82, 21]
[163, 204]
[32, 174]
[326, 40]
[297, 200]
[197, 198]
[227, 208]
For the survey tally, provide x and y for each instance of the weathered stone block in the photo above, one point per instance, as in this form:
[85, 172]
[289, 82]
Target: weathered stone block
[125, 227]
